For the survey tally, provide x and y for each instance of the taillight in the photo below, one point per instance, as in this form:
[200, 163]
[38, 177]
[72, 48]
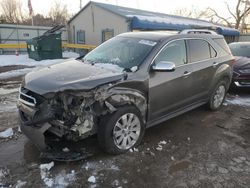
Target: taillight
[233, 61]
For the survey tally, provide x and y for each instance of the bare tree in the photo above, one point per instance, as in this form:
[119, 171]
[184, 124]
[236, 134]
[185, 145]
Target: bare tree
[12, 11]
[194, 13]
[237, 14]
[59, 13]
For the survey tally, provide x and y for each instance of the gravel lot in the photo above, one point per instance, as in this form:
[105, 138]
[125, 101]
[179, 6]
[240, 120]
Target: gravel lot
[198, 149]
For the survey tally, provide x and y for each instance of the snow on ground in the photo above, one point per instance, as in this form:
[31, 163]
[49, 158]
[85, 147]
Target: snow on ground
[15, 73]
[23, 59]
[241, 101]
[92, 179]
[10, 60]
[4, 91]
[3, 174]
[61, 180]
[20, 184]
[7, 133]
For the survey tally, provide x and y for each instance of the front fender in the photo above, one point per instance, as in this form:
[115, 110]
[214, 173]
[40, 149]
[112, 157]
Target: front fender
[120, 96]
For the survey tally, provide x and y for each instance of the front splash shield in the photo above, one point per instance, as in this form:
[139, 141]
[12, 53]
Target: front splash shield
[51, 151]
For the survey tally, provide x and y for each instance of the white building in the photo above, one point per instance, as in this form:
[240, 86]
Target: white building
[97, 22]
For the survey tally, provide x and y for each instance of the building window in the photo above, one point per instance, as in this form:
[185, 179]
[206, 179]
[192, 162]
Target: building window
[26, 34]
[80, 37]
[107, 34]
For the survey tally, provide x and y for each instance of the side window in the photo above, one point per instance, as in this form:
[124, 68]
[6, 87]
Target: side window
[80, 37]
[107, 34]
[212, 52]
[198, 50]
[174, 52]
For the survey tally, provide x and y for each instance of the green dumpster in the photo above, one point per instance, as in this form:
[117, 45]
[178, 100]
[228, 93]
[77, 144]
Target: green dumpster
[47, 46]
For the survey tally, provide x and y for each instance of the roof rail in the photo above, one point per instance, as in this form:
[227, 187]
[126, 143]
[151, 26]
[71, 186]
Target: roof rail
[198, 31]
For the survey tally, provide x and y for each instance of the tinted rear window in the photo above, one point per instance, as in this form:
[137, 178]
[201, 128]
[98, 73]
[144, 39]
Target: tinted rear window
[222, 43]
[198, 50]
[240, 49]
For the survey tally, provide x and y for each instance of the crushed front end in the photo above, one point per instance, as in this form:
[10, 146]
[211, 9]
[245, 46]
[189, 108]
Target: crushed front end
[65, 115]
[71, 115]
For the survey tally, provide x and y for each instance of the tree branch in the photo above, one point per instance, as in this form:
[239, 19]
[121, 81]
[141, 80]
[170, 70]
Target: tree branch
[220, 17]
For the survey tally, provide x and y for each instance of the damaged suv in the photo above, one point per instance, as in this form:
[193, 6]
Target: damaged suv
[129, 83]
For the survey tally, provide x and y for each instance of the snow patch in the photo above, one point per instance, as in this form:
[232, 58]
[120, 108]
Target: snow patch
[63, 179]
[10, 60]
[163, 142]
[65, 150]
[8, 91]
[7, 133]
[99, 166]
[23, 59]
[92, 179]
[240, 101]
[47, 166]
[20, 184]
[159, 148]
[3, 174]
[15, 73]
[44, 172]
[60, 180]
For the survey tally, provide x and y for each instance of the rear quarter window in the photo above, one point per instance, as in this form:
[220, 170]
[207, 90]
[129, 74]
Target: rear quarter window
[223, 45]
[198, 50]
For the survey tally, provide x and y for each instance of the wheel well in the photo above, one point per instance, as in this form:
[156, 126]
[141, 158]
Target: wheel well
[227, 79]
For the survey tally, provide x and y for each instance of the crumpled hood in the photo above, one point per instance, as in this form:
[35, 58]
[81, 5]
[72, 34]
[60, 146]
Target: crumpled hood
[70, 75]
[241, 61]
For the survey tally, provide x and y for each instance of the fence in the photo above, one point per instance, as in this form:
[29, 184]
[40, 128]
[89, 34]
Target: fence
[12, 34]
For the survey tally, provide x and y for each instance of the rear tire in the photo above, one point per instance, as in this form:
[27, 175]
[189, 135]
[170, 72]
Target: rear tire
[121, 130]
[218, 95]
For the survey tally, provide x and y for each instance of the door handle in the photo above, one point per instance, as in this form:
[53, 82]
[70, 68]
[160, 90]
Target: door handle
[186, 73]
[215, 64]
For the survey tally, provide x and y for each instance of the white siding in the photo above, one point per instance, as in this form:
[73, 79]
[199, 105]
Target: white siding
[93, 20]
[10, 33]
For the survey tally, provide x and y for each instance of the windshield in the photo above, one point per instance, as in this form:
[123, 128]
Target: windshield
[240, 50]
[127, 53]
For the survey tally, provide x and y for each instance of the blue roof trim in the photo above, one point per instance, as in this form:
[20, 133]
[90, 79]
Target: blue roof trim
[149, 25]
[226, 31]
[137, 23]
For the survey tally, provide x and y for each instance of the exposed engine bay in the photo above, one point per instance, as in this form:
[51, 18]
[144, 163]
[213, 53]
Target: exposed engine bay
[75, 115]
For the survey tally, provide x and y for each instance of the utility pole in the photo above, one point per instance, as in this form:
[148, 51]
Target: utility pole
[80, 4]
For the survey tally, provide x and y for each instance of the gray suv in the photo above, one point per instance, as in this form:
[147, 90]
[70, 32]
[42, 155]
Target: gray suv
[129, 83]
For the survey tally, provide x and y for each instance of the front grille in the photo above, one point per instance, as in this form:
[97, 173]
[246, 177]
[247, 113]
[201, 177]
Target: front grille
[29, 98]
[25, 98]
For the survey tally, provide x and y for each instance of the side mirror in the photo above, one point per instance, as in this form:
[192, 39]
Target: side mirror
[164, 66]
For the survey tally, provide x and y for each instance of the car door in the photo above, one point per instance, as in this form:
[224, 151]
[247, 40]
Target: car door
[202, 56]
[169, 91]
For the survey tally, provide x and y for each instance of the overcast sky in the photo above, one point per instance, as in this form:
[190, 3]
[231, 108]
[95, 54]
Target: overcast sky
[164, 6]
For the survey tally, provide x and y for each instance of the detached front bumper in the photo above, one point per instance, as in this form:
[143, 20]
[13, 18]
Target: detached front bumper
[35, 132]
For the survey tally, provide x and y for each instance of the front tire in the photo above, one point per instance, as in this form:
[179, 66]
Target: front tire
[218, 96]
[121, 130]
